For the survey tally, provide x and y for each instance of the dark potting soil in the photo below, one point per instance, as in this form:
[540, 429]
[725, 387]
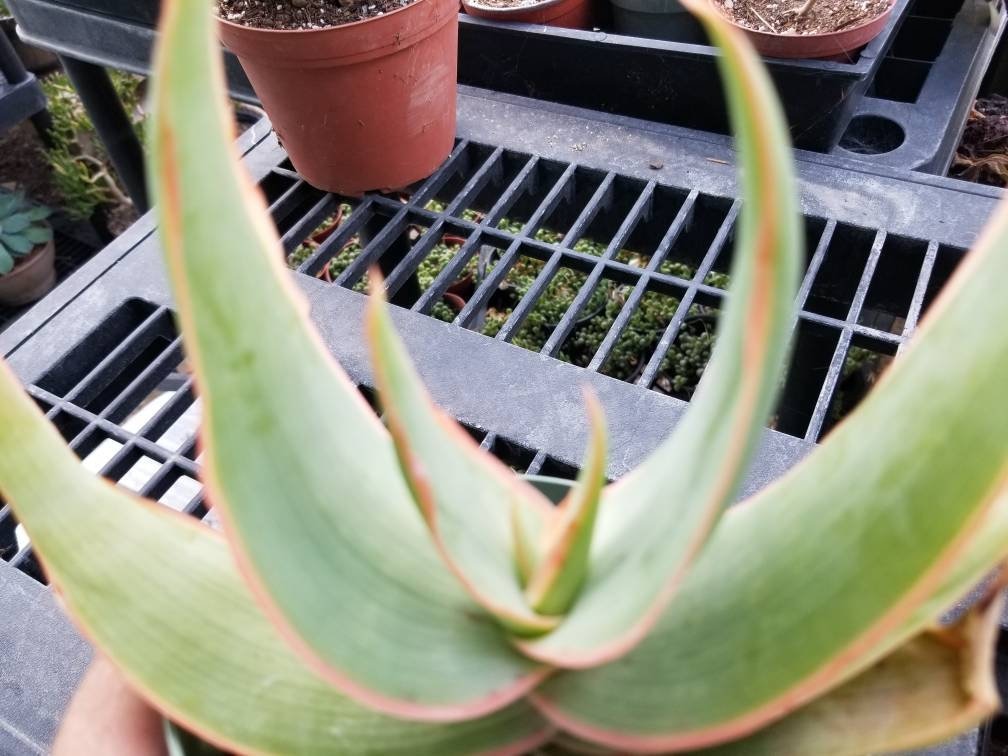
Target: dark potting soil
[295, 15]
[803, 16]
[506, 3]
[983, 152]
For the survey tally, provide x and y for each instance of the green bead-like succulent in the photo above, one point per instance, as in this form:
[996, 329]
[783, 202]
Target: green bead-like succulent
[22, 229]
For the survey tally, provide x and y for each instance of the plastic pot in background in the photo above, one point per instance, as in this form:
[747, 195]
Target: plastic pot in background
[35, 59]
[841, 45]
[31, 278]
[572, 14]
[363, 106]
[657, 19]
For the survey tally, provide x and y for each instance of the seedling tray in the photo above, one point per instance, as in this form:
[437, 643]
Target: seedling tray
[527, 184]
[674, 82]
[914, 111]
[903, 102]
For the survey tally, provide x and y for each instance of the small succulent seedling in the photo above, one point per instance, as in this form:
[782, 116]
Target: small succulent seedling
[22, 229]
[392, 590]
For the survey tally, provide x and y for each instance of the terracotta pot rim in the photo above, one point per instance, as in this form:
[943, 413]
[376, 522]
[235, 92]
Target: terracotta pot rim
[509, 11]
[823, 36]
[294, 33]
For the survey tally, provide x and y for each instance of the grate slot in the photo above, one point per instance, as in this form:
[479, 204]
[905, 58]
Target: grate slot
[581, 304]
[891, 292]
[840, 271]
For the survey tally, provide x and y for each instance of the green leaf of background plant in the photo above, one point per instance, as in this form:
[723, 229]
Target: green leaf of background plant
[654, 521]
[8, 202]
[38, 234]
[160, 594]
[16, 243]
[303, 474]
[6, 260]
[466, 497]
[844, 558]
[15, 224]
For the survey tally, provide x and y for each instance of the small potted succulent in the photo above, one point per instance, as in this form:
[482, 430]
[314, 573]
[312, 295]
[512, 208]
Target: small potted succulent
[27, 254]
[361, 93]
[573, 14]
[387, 588]
[808, 28]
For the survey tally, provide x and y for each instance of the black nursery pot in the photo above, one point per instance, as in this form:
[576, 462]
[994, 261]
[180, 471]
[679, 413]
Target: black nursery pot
[135, 11]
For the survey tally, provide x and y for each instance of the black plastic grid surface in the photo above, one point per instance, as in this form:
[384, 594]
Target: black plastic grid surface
[862, 287]
[132, 417]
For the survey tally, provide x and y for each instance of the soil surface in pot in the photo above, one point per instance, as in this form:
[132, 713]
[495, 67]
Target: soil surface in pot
[803, 16]
[506, 4]
[301, 15]
[983, 153]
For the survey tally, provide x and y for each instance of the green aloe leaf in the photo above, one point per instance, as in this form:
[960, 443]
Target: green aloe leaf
[934, 686]
[303, 474]
[564, 562]
[844, 558]
[6, 260]
[654, 522]
[466, 497]
[161, 595]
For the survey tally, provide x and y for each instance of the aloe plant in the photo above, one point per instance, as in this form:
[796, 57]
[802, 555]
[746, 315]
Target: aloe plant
[386, 588]
[22, 229]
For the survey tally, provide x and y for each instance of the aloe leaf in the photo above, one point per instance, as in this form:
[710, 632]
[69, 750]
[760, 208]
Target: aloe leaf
[936, 685]
[900, 511]
[564, 564]
[849, 554]
[161, 596]
[6, 260]
[653, 522]
[304, 475]
[465, 496]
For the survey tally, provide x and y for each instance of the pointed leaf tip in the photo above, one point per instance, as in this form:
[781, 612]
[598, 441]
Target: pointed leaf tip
[565, 562]
[466, 497]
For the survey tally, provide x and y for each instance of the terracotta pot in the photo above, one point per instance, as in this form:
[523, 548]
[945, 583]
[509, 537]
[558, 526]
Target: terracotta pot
[839, 45]
[368, 105]
[33, 276]
[572, 14]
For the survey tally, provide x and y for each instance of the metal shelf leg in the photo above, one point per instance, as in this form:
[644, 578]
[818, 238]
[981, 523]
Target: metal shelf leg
[113, 125]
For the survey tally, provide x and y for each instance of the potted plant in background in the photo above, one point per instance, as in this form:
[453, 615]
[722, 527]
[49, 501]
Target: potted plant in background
[27, 252]
[572, 14]
[808, 28]
[361, 93]
[656, 19]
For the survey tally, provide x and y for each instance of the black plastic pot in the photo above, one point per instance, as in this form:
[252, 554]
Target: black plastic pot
[658, 19]
[672, 80]
[36, 60]
[136, 11]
